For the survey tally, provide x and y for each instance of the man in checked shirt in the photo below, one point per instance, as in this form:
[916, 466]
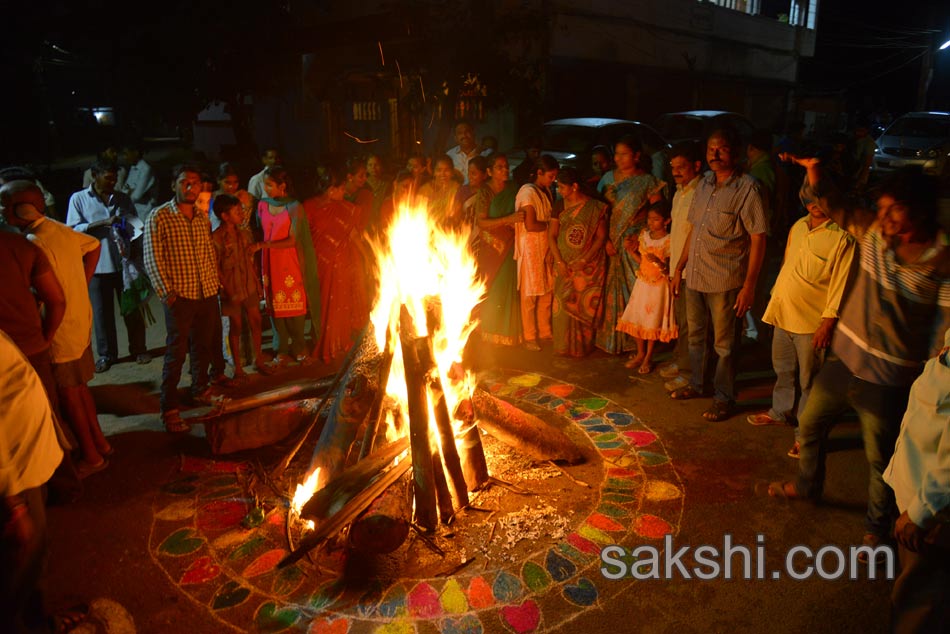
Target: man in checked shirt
[180, 262]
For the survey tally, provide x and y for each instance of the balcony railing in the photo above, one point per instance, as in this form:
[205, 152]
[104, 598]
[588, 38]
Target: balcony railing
[802, 13]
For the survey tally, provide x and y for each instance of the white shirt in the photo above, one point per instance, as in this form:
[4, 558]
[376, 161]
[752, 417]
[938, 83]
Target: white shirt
[919, 471]
[679, 231]
[460, 160]
[255, 186]
[29, 451]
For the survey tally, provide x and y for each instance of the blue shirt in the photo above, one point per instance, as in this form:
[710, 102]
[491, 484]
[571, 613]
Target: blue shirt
[85, 207]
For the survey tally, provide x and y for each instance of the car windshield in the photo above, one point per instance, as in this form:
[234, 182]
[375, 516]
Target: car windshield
[923, 127]
[673, 127]
[566, 138]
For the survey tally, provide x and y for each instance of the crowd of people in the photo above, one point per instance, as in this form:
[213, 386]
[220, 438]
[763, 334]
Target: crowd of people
[612, 258]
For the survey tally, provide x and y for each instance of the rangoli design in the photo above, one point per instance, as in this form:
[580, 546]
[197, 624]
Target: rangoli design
[223, 555]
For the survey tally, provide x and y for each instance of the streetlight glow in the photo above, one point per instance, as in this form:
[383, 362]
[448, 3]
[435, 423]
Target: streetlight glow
[945, 45]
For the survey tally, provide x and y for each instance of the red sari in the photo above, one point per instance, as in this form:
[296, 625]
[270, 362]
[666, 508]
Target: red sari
[336, 226]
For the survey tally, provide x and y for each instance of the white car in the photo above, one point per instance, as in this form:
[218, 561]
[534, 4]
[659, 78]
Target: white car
[916, 138]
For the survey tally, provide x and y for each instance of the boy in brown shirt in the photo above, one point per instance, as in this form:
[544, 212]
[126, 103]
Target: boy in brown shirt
[240, 287]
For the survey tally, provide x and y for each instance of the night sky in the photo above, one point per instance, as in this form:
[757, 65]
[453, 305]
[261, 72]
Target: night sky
[162, 61]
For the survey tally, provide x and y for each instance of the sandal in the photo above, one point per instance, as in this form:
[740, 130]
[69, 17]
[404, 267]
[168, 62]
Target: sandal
[69, 619]
[785, 490]
[174, 423]
[685, 393]
[719, 411]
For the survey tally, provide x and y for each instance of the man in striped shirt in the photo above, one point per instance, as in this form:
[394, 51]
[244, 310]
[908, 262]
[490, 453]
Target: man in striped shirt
[180, 262]
[895, 314]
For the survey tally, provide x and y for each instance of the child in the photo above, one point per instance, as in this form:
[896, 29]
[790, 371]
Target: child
[288, 266]
[648, 316]
[240, 286]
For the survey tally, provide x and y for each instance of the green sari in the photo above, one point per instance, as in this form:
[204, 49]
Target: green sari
[500, 313]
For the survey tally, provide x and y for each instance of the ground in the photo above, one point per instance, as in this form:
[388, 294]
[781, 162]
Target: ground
[148, 537]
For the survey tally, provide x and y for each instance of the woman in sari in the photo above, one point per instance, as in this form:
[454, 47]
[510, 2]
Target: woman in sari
[342, 257]
[495, 216]
[629, 189]
[576, 238]
[440, 191]
[288, 266]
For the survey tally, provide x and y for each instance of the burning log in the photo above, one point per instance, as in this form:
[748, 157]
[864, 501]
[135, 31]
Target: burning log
[474, 465]
[520, 430]
[341, 489]
[278, 470]
[347, 513]
[384, 526]
[423, 477]
[376, 412]
[354, 399]
[442, 494]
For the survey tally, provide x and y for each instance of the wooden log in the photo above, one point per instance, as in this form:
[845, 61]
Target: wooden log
[297, 391]
[442, 494]
[349, 512]
[338, 491]
[450, 456]
[522, 431]
[384, 525]
[278, 471]
[353, 400]
[471, 451]
[422, 468]
[376, 413]
[259, 427]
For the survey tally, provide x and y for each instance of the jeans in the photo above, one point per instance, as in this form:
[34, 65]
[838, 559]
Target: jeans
[186, 319]
[713, 310]
[104, 289]
[792, 353]
[880, 409]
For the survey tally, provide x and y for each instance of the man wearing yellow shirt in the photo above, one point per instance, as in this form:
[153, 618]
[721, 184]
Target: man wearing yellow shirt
[804, 309]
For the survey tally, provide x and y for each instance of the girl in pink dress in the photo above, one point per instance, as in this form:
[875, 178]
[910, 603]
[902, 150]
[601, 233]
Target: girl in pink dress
[648, 317]
[284, 285]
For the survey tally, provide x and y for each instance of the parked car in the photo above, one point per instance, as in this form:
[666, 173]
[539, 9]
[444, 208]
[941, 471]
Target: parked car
[696, 125]
[570, 141]
[916, 138]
